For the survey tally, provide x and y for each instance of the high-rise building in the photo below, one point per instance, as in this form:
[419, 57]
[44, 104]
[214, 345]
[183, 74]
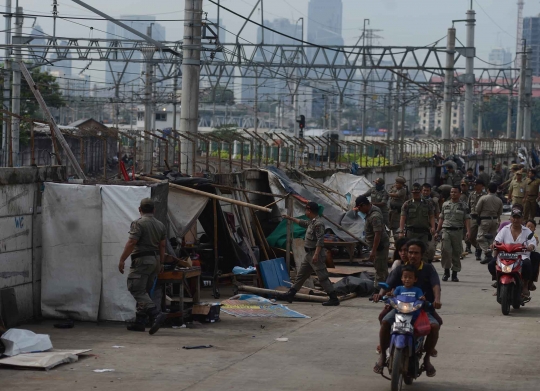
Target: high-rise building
[500, 58]
[133, 69]
[531, 35]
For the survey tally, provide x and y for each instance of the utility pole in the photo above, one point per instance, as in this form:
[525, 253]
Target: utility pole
[256, 104]
[340, 110]
[403, 110]
[325, 121]
[191, 69]
[448, 85]
[16, 95]
[148, 112]
[396, 110]
[480, 115]
[389, 115]
[6, 126]
[521, 94]
[528, 97]
[175, 104]
[469, 70]
[364, 87]
[509, 113]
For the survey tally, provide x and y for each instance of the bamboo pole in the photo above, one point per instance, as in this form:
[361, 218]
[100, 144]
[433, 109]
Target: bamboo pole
[318, 299]
[209, 195]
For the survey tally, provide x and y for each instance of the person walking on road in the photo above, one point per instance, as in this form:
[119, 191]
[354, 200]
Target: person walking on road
[453, 220]
[315, 259]
[474, 197]
[531, 195]
[397, 196]
[489, 209]
[146, 245]
[379, 198]
[428, 196]
[376, 237]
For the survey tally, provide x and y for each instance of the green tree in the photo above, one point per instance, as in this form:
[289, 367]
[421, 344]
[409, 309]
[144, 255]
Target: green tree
[226, 132]
[222, 96]
[49, 88]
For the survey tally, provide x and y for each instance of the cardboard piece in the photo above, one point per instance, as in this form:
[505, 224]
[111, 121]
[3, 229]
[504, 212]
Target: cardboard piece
[43, 360]
[206, 312]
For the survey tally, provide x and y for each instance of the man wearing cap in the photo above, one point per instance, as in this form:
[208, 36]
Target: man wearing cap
[497, 175]
[474, 197]
[517, 189]
[428, 195]
[470, 179]
[511, 175]
[453, 220]
[398, 196]
[146, 245]
[531, 195]
[417, 218]
[452, 177]
[379, 198]
[376, 237]
[489, 209]
[315, 259]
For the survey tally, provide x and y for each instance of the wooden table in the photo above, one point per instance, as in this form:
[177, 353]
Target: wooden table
[181, 278]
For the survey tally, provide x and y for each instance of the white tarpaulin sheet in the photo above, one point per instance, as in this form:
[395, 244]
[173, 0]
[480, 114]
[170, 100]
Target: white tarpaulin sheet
[347, 183]
[71, 271]
[185, 209]
[120, 206]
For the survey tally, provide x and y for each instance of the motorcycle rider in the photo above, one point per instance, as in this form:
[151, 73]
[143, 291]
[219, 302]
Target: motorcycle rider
[516, 232]
[428, 281]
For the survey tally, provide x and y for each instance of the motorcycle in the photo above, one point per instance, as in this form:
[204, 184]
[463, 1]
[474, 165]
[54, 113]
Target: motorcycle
[509, 280]
[406, 348]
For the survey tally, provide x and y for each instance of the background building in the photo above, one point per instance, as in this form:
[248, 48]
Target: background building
[500, 58]
[531, 34]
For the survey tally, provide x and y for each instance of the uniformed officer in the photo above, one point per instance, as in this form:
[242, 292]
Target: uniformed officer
[464, 186]
[497, 176]
[489, 209]
[517, 189]
[146, 245]
[397, 196]
[376, 237]
[511, 175]
[452, 176]
[379, 198]
[417, 218]
[315, 259]
[470, 179]
[484, 176]
[453, 219]
[531, 197]
[474, 197]
[428, 195]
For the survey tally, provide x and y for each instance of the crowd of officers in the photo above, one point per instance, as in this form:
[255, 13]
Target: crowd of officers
[464, 207]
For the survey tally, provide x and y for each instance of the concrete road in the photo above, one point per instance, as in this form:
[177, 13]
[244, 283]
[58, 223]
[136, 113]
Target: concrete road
[480, 349]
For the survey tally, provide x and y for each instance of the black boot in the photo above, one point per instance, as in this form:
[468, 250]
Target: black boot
[454, 277]
[487, 258]
[157, 320]
[478, 254]
[139, 323]
[288, 296]
[468, 249]
[333, 300]
[446, 275]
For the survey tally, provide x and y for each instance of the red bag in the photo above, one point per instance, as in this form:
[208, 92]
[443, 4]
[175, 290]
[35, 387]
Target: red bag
[422, 327]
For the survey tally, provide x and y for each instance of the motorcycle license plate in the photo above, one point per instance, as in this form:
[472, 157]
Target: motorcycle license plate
[508, 255]
[402, 326]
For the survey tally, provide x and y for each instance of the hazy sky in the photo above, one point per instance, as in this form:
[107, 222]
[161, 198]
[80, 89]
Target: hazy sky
[403, 22]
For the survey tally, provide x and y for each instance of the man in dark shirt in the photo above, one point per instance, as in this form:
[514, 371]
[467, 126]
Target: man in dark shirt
[429, 282]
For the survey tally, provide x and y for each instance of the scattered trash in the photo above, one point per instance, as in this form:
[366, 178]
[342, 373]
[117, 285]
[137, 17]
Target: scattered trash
[118, 347]
[197, 347]
[17, 341]
[282, 339]
[43, 360]
[69, 324]
[103, 370]
[241, 270]
[262, 326]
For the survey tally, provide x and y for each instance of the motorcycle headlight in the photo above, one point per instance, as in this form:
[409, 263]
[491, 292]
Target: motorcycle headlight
[506, 268]
[406, 308]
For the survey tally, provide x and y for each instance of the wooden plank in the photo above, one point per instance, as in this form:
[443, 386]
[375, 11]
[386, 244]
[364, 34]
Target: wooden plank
[348, 271]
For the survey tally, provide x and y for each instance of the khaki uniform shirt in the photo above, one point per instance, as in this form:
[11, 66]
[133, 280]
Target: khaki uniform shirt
[314, 233]
[397, 203]
[454, 214]
[378, 196]
[453, 179]
[464, 197]
[474, 197]
[374, 224]
[497, 177]
[435, 202]
[149, 232]
[417, 214]
[517, 189]
[470, 182]
[532, 187]
[489, 206]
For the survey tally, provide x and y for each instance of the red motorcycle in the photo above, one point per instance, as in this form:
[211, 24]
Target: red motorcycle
[509, 280]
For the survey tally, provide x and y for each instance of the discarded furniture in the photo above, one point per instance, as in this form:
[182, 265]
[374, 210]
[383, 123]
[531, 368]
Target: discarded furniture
[182, 278]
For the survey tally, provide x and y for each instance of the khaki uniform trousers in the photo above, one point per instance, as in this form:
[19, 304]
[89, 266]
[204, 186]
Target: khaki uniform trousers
[473, 232]
[486, 227]
[381, 263]
[142, 273]
[395, 218]
[451, 249]
[308, 266]
[529, 209]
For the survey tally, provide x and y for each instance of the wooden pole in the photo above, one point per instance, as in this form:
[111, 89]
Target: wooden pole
[209, 195]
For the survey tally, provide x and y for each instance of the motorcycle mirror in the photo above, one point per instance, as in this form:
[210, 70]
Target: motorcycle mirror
[384, 285]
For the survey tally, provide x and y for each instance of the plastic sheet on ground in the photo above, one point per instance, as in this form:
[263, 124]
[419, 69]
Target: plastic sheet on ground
[362, 286]
[44, 360]
[18, 341]
[71, 224]
[120, 206]
[253, 306]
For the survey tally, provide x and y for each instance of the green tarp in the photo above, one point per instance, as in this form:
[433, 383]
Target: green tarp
[278, 238]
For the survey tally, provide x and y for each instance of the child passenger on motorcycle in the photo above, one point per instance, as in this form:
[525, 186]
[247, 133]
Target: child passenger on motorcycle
[409, 276]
